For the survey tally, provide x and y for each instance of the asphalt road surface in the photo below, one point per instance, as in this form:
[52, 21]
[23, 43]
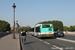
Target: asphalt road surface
[33, 43]
[70, 37]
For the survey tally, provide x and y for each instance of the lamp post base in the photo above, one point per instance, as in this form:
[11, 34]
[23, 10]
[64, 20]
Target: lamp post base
[13, 37]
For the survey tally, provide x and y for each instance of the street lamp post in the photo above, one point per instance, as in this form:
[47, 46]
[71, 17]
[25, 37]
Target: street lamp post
[14, 6]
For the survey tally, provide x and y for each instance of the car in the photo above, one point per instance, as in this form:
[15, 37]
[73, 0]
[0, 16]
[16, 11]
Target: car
[58, 33]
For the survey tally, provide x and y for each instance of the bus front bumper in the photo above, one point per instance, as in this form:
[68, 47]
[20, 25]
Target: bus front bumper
[46, 35]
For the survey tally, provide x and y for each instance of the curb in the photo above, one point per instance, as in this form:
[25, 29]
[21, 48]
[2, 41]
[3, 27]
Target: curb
[18, 45]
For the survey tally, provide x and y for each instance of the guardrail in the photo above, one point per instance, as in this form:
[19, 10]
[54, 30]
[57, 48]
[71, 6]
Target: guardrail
[4, 33]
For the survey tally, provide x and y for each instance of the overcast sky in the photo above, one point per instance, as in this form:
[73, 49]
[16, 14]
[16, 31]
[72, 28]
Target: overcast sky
[30, 12]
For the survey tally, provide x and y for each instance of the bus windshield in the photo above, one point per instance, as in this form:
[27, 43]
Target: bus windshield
[45, 26]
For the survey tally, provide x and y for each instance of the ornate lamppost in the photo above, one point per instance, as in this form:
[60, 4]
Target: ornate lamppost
[14, 6]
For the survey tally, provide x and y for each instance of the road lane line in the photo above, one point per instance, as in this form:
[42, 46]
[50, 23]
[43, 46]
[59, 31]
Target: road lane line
[40, 40]
[66, 40]
[57, 47]
[36, 38]
[46, 42]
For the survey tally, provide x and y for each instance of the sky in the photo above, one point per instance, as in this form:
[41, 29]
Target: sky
[31, 12]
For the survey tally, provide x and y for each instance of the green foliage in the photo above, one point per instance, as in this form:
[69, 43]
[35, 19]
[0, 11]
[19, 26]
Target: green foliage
[56, 24]
[4, 26]
[24, 28]
[66, 28]
[71, 28]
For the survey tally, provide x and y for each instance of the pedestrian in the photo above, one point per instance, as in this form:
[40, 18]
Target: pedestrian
[23, 35]
[66, 31]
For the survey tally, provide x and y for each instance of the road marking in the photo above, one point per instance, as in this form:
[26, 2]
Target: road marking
[40, 40]
[46, 42]
[57, 47]
[36, 38]
[66, 40]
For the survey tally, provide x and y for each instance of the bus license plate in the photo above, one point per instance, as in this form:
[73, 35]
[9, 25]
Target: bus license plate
[47, 34]
[50, 32]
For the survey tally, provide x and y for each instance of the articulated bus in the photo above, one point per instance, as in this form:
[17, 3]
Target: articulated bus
[42, 30]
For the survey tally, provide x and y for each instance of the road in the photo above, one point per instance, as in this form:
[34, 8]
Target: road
[70, 37]
[33, 43]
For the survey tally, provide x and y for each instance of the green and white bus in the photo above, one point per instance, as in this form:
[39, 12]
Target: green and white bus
[42, 30]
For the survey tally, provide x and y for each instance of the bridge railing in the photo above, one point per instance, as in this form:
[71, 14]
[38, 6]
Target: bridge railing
[4, 33]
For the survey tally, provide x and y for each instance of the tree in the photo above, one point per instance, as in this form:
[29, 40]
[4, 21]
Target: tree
[4, 26]
[25, 28]
[66, 28]
[72, 28]
[57, 25]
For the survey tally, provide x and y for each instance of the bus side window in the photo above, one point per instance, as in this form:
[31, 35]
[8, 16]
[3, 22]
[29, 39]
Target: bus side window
[37, 29]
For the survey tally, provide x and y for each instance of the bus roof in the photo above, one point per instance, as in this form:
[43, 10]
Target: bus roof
[36, 25]
[32, 27]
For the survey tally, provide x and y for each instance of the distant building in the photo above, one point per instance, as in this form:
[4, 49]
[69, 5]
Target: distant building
[16, 25]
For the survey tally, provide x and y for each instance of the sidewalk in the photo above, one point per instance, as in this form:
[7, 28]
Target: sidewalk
[7, 43]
